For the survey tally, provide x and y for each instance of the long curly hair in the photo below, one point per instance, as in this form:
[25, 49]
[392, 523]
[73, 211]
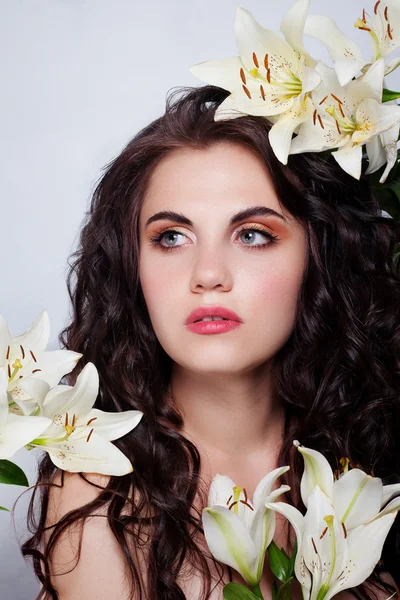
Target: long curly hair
[338, 374]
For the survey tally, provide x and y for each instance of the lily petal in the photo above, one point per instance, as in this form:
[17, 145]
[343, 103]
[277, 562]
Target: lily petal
[252, 38]
[54, 364]
[393, 506]
[391, 65]
[36, 389]
[376, 154]
[220, 489]
[3, 397]
[317, 471]
[292, 27]
[224, 73]
[357, 497]
[229, 541]
[297, 520]
[77, 400]
[95, 456]
[262, 526]
[280, 134]
[374, 77]
[316, 531]
[18, 431]
[345, 53]
[365, 545]
[113, 425]
[36, 337]
[386, 116]
[350, 159]
[264, 487]
[389, 491]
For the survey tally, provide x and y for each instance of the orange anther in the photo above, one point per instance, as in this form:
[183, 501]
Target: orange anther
[247, 91]
[344, 530]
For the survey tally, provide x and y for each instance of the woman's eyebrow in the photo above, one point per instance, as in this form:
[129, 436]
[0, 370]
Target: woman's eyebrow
[252, 211]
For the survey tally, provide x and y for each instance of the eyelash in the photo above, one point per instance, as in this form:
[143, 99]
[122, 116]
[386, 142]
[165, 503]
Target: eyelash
[273, 239]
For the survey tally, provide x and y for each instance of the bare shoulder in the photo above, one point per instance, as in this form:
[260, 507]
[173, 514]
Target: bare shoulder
[101, 571]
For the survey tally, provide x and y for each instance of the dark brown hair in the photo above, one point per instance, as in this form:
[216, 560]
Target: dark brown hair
[338, 374]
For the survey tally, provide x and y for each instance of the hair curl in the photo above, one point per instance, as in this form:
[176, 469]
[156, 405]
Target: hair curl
[338, 374]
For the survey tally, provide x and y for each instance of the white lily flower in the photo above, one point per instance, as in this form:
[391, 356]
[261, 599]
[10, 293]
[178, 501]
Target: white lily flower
[383, 26]
[356, 496]
[382, 149]
[237, 530]
[79, 436]
[329, 558]
[15, 430]
[26, 356]
[271, 77]
[346, 117]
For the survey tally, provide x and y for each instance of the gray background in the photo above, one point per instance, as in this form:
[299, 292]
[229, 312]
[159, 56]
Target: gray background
[78, 79]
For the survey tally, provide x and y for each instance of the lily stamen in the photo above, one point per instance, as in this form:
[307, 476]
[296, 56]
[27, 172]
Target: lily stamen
[88, 437]
[315, 547]
[33, 356]
[376, 7]
[22, 351]
[247, 91]
[344, 530]
[246, 504]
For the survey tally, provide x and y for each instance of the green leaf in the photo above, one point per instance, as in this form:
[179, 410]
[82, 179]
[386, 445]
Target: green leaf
[274, 591]
[2, 508]
[284, 591]
[389, 95]
[279, 562]
[237, 591]
[12, 474]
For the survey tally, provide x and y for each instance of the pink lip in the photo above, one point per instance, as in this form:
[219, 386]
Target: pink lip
[210, 327]
[212, 311]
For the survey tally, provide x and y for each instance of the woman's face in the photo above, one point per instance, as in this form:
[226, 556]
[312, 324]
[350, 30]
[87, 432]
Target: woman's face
[211, 262]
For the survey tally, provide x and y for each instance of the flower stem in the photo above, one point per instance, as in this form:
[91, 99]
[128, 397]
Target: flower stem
[257, 591]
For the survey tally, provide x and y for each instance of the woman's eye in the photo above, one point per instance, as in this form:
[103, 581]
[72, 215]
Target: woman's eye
[261, 233]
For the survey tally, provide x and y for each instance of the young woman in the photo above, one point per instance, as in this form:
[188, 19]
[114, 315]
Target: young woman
[200, 213]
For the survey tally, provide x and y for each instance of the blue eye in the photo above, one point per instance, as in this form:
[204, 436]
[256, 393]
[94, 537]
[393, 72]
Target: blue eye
[272, 239]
